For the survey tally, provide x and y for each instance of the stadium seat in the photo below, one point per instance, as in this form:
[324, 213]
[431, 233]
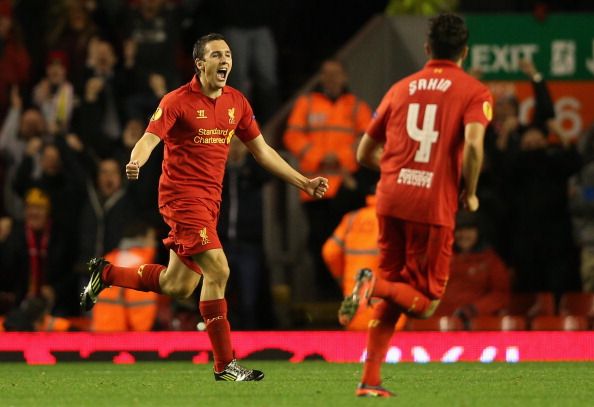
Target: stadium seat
[531, 304]
[443, 324]
[498, 323]
[577, 303]
[559, 323]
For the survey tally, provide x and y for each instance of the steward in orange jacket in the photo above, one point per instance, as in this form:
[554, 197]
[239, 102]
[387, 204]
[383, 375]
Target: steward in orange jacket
[324, 128]
[122, 309]
[352, 247]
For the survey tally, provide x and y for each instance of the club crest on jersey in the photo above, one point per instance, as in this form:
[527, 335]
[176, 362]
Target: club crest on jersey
[231, 113]
[204, 236]
[157, 115]
[201, 114]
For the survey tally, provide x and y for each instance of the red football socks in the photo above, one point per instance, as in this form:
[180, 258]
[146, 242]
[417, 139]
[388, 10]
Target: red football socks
[143, 278]
[214, 313]
[379, 332]
[402, 294]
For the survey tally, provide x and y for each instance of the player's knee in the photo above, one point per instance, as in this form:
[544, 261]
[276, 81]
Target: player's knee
[178, 290]
[217, 277]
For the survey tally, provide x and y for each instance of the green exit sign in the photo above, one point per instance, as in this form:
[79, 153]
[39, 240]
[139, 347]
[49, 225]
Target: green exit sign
[561, 46]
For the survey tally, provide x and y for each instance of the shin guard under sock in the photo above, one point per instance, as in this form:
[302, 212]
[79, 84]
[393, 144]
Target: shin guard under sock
[143, 278]
[379, 333]
[214, 313]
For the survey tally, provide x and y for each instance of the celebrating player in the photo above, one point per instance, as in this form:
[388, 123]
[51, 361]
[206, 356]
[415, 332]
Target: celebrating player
[430, 127]
[196, 122]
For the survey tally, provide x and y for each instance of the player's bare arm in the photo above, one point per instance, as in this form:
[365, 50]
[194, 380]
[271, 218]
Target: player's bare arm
[269, 159]
[474, 134]
[140, 154]
[369, 152]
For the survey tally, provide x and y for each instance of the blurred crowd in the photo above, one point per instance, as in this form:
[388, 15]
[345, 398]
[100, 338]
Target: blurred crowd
[79, 80]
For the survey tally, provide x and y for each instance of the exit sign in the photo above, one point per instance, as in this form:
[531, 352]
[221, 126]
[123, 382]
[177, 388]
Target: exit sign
[561, 46]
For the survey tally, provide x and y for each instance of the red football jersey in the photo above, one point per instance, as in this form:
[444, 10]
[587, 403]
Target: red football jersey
[421, 121]
[197, 131]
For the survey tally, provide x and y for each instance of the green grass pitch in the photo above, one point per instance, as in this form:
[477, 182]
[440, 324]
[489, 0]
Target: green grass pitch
[302, 384]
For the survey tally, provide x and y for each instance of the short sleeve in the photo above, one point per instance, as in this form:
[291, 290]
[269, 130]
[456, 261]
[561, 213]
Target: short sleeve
[164, 117]
[377, 127]
[480, 108]
[247, 128]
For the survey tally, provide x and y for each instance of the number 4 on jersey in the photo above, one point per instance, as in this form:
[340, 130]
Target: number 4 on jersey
[425, 136]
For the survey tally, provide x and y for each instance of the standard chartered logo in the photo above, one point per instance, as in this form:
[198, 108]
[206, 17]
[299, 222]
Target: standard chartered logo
[214, 136]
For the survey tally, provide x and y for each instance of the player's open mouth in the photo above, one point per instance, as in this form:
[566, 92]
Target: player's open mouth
[222, 74]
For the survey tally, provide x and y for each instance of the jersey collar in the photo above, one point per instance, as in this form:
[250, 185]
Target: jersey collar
[435, 63]
[196, 86]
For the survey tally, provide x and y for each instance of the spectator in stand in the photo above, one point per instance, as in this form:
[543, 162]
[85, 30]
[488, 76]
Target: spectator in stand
[504, 135]
[534, 163]
[54, 95]
[62, 179]
[14, 58]
[322, 132]
[101, 116]
[105, 213]
[582, 209]
[139, 101]
[152, 43]
[31, 256]
[479, 282]
[240, 231]
[352, 247]
[22, 131]
[70, 29]
[506, 121]
[123, 309]
[254, 51]
[541, 239]
[144, 190]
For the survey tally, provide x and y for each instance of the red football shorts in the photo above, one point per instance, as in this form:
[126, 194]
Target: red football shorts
[415, 253]
[193, 226]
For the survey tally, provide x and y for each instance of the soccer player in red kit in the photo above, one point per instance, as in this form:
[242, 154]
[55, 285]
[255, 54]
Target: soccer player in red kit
[196, 122]
[427, 132]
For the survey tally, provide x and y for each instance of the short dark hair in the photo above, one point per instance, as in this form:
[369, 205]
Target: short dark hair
[198, 51]
[447, 36]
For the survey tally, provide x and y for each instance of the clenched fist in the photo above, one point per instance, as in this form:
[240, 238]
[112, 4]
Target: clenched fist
[317, 187]
[132, 170]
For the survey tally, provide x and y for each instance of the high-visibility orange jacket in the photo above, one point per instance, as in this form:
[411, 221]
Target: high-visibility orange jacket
[123, 309]
[318, 128]
[352, 247]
